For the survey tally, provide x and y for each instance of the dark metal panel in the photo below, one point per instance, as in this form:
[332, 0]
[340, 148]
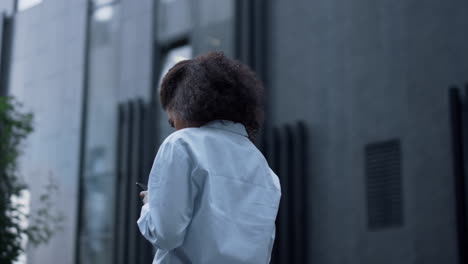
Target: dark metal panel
[135, 154]
[122, 183]
[132, 190]
[276, 150]
[144, 249]
[119, 158]
[292, 201]
[384, 185]
[151, 145]
[299, 193]
[304, 171]
[284, 254]
[138, 170]
[140, 241]
[465, 161]
[285, 149]
[126, 186]
[6, 37]
[83, 137]
[456, 117]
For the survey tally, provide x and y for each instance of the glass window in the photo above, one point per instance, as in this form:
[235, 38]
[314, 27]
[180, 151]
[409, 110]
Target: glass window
[214, 26]
[99, 175]
[98, 3]
[103, 14]
[174, 20]
[25, 4]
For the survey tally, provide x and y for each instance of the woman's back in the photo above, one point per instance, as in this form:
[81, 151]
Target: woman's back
[229, 196]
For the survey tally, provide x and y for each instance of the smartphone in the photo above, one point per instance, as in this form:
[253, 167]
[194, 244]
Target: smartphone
[142, 186]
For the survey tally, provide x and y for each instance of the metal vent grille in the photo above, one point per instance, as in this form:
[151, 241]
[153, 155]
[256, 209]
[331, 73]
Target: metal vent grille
[383, 185]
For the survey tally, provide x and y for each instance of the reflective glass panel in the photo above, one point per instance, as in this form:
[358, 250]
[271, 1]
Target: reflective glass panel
[98, 179]
[25, 4]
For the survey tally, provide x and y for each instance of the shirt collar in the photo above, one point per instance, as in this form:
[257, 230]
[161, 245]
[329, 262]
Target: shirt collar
[228, 125]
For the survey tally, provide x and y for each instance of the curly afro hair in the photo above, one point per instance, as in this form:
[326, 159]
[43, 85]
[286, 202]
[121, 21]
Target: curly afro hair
[211, 87]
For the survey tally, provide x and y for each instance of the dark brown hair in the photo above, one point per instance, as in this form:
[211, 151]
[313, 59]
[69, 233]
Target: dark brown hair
[211, 87]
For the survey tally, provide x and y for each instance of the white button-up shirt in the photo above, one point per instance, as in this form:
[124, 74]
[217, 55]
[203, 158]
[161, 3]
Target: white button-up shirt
[212, 198]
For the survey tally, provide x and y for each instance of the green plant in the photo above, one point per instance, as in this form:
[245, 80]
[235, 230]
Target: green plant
[15, 126]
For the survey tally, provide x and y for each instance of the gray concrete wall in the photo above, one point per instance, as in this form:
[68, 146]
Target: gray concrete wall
[365, 71]
[47, 76]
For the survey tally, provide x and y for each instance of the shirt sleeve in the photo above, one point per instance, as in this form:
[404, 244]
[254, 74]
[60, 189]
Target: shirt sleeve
[164, 219]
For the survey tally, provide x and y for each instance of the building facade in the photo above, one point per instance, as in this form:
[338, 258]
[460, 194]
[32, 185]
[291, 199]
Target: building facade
[358, 123]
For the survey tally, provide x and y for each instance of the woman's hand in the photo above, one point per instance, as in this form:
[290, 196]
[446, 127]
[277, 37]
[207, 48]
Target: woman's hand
[144, 196]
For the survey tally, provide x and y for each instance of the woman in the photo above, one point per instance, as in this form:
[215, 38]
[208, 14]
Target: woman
[212, 197]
